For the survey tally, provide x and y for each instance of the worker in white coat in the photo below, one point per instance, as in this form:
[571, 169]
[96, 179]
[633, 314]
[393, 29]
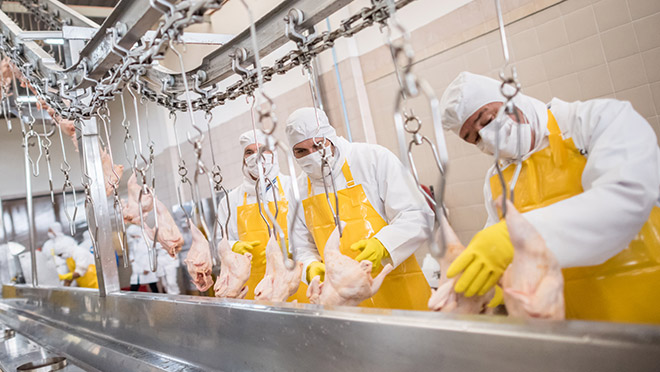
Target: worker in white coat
[140, 265]
[79, 261]
[247, 230]
[590, 185]
[386, 219]
[168, 272]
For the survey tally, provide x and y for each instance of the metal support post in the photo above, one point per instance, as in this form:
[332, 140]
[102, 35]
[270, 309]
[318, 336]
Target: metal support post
[30, 216]
[90, 159]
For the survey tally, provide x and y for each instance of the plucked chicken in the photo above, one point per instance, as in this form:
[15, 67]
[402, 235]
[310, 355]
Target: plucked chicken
[169, 236]
[131, 206]
[199, 262]
[109, 171]
[347, 281]
[234, 272]
[279, 283]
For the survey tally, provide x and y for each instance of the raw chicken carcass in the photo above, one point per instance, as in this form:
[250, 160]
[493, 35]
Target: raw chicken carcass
[533, 284]
[445, 299]
[347, 282]
[234, 272]
[169, 235]
[279, 283]
[199, 262]
[109, 171]
[131, 207]
[67, 126]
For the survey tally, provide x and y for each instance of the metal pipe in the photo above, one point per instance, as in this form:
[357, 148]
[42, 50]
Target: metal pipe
[341, 89]
[30, 214]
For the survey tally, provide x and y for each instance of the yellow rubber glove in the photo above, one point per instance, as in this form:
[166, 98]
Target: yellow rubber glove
[315, 269]
[371, 249]
[67, 276]
[242, 247]
[498, 298]
[483, 261]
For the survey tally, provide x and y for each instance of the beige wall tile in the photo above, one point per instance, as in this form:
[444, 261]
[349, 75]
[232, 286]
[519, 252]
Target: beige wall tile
[655, 91]
[539, 91]
[552, 34]
[570, 6]
[611, 13]
[643, 8]
[566, 87]
[525, 44]
[619, 42]
[595, 82]
[587, 53]
[580, 23]
[651, 60]
[478, 60]
[550, 14]
[641, 99]
[627, 72]
[558, 62]
[531, 71]
[648, 32]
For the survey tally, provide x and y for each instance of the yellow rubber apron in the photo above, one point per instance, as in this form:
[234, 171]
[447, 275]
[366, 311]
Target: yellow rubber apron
[252, 227]
[623, 289]
[89, 280]
[405, 287]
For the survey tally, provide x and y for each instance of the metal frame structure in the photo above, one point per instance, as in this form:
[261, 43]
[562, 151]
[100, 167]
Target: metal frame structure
[129, 331]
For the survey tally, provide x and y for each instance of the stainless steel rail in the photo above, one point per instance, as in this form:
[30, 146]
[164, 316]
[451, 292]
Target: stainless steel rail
[235, 335]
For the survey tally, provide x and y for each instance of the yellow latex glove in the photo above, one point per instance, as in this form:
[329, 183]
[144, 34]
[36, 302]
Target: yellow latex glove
[315, 269]
[67, 276]
[370, 249]
[483, 261]
[242, 247]
[498, 298]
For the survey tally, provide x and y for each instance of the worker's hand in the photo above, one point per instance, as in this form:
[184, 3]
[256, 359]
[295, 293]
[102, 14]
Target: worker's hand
[242, 247]
[483, 261]
[315, 269]
[67, 276]
[372, 250]
[498, 298]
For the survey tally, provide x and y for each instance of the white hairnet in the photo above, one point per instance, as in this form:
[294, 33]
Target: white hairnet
[302, 124]
[469, 92]
[247, 138]
[56, 227]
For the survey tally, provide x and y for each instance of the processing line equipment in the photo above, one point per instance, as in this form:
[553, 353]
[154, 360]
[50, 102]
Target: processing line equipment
[109, 330]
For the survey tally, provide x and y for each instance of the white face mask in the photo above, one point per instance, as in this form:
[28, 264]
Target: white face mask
[508, 138]
[251, 168]
[311, 164]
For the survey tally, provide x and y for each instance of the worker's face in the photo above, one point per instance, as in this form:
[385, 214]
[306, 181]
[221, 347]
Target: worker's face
[481, 118]
[252, 149]
[309, 146]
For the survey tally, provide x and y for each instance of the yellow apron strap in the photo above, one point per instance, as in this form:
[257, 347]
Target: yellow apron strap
[279, 186]
[245, 198]
[559, 152]
[347, 174]
[309, 187]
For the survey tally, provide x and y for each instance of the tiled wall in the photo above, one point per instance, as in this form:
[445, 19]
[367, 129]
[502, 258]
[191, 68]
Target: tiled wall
[573, 50]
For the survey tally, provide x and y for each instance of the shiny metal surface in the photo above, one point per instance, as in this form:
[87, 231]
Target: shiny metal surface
[44, 365]
[20, 350]
[90, 156]
[239, 335]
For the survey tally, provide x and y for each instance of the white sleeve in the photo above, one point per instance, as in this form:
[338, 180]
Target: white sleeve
[83, 260]
[621, 184]
[408, 215]
[301, 238]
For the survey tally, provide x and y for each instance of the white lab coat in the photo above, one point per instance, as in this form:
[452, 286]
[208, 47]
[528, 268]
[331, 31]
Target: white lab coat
[83, 258]
[236, 200]
[59, 244]
[621, 183]
[140, 262]
[167, 271]
[391, 190]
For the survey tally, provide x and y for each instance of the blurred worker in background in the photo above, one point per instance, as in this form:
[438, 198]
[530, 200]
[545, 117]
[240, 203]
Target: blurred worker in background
[168, 272]
[79, 261]
[590, 181]
[247, 231]
[386, 218]
[140, 265]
